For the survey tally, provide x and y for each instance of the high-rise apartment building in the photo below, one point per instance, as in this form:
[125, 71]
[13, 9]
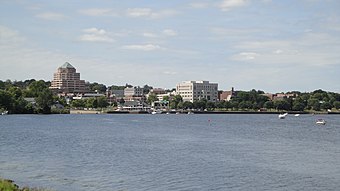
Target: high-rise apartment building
[197, 90]
[67, 80]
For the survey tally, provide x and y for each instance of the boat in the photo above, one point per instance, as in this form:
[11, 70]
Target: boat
[320, 122]
[4, 113]
[297, 115]
[156, 112]
[282, 116]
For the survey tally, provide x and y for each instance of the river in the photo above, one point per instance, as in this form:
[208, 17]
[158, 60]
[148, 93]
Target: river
[171, 152]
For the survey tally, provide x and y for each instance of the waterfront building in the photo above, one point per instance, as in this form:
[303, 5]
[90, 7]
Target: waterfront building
[197, 90]
[133, 93]
[227, 95]
[280, 96]
[67, 80]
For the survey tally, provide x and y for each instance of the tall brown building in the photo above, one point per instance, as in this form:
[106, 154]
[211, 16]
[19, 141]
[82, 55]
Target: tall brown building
[67, 80]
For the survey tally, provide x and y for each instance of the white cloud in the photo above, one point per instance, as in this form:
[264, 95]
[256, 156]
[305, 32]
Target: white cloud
[149, 13]
[51, 16]
[9, 35]
[139, 12]
[169, 32]
[95, 35]
[145, 47]
[150, 35]
[227, 5]
[245, 56]
[278, 51]
[97, 12]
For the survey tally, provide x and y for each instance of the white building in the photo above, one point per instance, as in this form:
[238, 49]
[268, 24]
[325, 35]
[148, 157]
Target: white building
[134, 91]
[197, 90]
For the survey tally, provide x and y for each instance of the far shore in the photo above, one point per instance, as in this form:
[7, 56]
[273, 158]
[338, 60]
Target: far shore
[199, 112]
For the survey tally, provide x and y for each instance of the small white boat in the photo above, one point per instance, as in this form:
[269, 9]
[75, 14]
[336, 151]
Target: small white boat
[4, 113]
[282, 116]
[156, 112]
[320, 122]
[297, 115]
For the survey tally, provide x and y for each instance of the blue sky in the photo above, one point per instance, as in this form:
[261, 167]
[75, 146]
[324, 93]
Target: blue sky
[271, 45]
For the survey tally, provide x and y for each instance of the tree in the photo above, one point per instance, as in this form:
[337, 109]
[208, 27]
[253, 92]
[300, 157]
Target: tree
[326, 105]
[6, 100]
[102, 102]
[200, 104]
[91, 103]
[146, 89]
[166, 98]
[35, 88]
[101, 88]
[268, 105]
[281, 104]
[314, 104]
[152, 98]
[175, 101]
[298, 105]
[44, 100]
[78, 103]
[187, 105]
[210, 105]
[336, 104]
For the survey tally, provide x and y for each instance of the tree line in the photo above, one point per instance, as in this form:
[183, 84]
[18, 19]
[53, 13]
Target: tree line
[14, 94]
[317, 100]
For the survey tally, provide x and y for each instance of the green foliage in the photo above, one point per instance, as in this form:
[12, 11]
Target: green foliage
[152, 98]
[44, 100]
[78, 103]
[102, 102]
[336, 104]
[96, 87]
[146, 89]
[8, 185]
[175, 101]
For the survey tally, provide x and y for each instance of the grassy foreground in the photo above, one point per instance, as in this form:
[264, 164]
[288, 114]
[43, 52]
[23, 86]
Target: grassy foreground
[8, 185]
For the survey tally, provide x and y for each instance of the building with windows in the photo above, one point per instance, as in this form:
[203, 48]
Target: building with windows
[197, 90]
[67, 80]
[133, 93]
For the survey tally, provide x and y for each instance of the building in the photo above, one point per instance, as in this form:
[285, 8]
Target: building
[134, 93]
[280, 96]
[197, 90]
[227, 95]
[67, 80]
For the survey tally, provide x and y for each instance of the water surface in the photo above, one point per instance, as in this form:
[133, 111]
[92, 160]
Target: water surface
[171, 152]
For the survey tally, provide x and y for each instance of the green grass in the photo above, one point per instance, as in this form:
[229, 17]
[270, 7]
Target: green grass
[8, 185]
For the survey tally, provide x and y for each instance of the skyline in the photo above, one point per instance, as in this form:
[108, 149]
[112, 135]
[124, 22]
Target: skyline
[274, 46]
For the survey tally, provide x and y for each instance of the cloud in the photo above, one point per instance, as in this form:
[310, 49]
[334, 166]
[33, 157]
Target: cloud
[51, 16]
[150, 35]
[227, 5]
[169, 32]
[8, 35]
[97, 12]
[245, 56]
[149, 13]
[145, 47]
[95, 35]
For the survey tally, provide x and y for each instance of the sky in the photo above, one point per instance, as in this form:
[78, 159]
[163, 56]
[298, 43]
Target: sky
[269, 45]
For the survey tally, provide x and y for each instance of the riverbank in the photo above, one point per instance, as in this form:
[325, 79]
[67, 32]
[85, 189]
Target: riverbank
[9, 185]
[72, 111]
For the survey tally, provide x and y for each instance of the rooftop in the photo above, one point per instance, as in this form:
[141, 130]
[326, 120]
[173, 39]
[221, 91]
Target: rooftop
[66, 65]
